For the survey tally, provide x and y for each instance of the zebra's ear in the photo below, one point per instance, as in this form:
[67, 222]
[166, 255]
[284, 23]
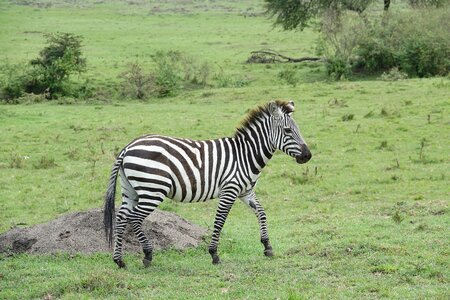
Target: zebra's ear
[290, 106]
[275, 110]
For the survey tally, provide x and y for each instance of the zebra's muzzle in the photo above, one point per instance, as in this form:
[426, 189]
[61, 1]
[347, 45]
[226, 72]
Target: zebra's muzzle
[304, 157]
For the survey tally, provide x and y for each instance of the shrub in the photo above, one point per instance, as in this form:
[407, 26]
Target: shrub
[195, 72]
[30, 98]
[11, 91]
[223, 80]
[49, 73]
[394, 74]
[202, 73]
[241, 82]
[135, 83]
[226, 80]
[416, 42]
[17, 161]
[172, 71]
[288, 75]
[45, 162]
[56, 62]
[11, 81]
[338, 68]
[167, 78]
[340, 34]
[176, 70]
[374, 55]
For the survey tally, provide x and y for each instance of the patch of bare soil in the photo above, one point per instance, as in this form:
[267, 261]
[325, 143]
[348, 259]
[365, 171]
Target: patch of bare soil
[82, 232]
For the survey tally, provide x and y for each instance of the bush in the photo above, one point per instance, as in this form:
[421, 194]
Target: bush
[30, 98]
[196, 73]
[289, 75]
[393, 75]
[416, 42]
[11, 91]
[338, 68]
[135, 83]
[167, 78]
[11, 82]
[48, 74]
[340, 34]
[173, 71]
[224, 80]
[56, 62]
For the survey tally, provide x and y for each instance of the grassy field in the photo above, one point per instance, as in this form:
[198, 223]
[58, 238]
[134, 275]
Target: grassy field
[367, 217]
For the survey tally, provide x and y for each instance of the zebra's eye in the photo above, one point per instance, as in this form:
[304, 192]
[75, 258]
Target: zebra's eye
[287, 130]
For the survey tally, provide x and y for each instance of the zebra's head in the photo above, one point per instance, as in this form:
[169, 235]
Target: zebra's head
[285, 132]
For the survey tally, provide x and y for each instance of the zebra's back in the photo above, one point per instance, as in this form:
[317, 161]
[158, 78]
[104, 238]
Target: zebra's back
[181, 169]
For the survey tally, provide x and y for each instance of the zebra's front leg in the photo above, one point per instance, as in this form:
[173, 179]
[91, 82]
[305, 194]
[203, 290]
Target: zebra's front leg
[225, 203]
[252, 202]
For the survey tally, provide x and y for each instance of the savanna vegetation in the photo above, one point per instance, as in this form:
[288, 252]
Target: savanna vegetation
[367, 217]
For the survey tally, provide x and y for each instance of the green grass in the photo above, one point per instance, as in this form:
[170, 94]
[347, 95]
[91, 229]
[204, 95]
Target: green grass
[116, 34]
[367, 217]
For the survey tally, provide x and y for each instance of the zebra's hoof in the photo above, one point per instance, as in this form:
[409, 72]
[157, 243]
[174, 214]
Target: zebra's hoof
[147, 262]
[215, 260]
[120, 263]
[268, 252]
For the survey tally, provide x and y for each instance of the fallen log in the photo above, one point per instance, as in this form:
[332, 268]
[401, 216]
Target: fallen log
[269, 56]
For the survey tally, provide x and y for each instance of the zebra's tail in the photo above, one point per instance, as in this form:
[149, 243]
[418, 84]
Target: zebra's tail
[109, 210]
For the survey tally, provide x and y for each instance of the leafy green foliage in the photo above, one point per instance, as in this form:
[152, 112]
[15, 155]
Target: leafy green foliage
[416, 42]
[393, 74]
[49, 73]
[11, 81]
[289, 75]
[56, 62]
[338, 68]
[172, 72]
[167, 78]
[298, 14]
[135, 83]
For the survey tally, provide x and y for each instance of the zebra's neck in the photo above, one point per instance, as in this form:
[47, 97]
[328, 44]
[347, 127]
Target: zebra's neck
[255, 146]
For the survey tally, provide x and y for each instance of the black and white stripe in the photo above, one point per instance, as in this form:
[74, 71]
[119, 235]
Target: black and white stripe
[154, 167]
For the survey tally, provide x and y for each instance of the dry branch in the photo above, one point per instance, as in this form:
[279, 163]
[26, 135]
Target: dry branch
[271, 56]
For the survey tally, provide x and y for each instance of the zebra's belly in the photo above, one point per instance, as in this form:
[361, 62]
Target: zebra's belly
[193, 195]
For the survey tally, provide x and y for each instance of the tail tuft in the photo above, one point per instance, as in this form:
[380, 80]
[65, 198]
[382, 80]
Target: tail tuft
[109, 209]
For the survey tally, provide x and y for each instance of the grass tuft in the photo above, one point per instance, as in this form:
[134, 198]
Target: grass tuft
[45, 162]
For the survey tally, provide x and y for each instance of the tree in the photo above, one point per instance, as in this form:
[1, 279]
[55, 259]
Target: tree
[55, 64]
[296, 14]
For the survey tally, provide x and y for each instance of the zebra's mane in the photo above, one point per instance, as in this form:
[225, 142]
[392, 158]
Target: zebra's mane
[262, 110]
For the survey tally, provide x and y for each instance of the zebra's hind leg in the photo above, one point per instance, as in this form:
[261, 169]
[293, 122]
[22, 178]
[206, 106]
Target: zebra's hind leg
[252, 202]
[129, 201]
[121, 222]
[146, 205]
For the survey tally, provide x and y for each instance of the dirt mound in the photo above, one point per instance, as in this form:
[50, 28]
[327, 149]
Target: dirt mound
[82, 232]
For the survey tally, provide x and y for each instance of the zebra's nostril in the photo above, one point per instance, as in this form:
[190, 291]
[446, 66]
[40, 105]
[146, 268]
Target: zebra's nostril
[304, 157]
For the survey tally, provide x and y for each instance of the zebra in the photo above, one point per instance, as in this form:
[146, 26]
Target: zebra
[154, 167]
